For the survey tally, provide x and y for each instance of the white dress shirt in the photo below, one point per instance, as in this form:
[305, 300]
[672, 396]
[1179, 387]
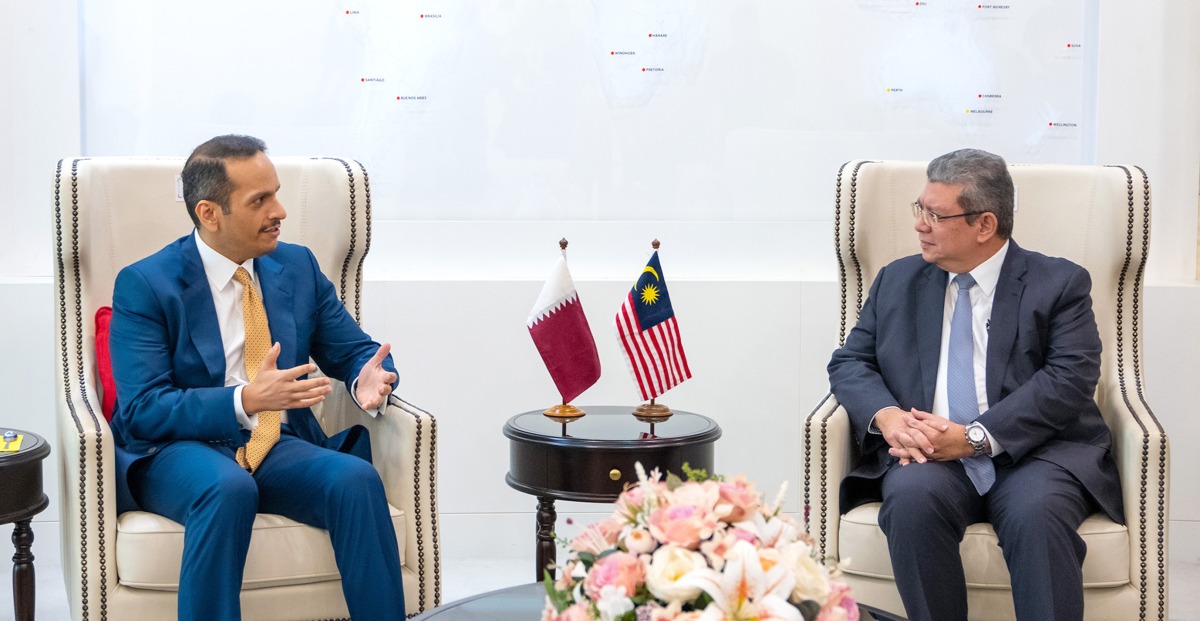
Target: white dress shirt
[227, 298]
[987, 276]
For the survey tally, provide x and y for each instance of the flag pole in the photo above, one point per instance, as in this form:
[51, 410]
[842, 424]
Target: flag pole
[652, 412]
[564, 412]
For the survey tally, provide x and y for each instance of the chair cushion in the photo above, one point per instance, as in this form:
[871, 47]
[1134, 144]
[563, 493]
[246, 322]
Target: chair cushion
[863, 544]
[108, 386]
[282, 551]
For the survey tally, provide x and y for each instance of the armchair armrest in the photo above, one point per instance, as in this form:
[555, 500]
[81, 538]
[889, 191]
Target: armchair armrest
[1143, 461]
[404, 451]
[828, 450]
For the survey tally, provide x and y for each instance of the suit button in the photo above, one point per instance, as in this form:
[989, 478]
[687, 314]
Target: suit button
[152, 450]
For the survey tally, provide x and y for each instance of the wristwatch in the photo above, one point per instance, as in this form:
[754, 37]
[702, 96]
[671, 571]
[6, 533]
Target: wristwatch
[977, 437]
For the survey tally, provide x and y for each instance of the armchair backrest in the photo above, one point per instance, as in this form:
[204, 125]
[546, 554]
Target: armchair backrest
[1096, 216]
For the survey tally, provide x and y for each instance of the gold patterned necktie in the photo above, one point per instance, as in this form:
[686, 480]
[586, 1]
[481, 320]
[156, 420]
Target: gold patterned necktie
[258, 341]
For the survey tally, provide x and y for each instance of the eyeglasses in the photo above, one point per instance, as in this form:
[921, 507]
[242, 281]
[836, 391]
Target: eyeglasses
[931, 219]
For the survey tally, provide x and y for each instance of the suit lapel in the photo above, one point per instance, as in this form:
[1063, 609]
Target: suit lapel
[931, 300]
[1002, 330]
[201, 313]
[277, 298]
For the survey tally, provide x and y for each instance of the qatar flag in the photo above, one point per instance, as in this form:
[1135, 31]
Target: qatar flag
[560, 331]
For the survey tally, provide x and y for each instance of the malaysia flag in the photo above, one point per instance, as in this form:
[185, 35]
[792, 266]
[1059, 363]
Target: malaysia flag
[562, 336]
[648, 334]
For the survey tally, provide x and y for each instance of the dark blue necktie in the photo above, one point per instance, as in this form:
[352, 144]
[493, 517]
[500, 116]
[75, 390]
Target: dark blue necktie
[960, 381]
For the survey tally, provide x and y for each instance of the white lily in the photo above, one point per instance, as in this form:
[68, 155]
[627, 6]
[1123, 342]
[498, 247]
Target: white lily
[745, 590]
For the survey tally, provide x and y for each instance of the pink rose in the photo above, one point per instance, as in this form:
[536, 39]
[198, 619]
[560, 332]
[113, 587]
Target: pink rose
[742, 497]
[619, 569]
[684, 525]
[597, 537]
[840, 604]
[574, 612]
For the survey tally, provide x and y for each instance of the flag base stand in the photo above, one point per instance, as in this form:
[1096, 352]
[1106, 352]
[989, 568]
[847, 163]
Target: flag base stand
[564, 412]
[652, 412]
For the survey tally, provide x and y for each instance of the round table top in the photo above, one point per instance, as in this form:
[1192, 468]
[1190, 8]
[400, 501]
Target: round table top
[33, 448]
[612, 427]
[519, 603]
[21, 471]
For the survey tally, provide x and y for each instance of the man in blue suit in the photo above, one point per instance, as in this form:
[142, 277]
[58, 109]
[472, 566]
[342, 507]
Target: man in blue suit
[971, 399]
[188, 400]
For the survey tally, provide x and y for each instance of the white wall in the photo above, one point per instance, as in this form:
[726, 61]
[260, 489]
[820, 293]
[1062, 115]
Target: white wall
[457, 306]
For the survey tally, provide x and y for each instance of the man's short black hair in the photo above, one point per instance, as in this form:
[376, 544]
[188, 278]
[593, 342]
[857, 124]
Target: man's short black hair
[204, 174]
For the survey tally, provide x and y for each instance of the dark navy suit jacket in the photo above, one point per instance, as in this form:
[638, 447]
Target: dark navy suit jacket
[1043, 362]
[169, 361]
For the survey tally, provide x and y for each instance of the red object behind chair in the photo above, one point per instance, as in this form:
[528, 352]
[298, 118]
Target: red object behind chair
[108, 396]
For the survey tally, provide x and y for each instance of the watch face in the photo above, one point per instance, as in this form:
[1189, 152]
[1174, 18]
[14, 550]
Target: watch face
[975, 434]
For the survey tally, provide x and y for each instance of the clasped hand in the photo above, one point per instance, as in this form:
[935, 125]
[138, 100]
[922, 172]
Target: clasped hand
[920, 436]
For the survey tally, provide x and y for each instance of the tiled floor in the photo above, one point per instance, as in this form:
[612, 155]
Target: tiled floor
[464, 577]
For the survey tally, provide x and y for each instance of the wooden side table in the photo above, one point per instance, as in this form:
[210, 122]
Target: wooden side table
[592, 459]
[20, 499]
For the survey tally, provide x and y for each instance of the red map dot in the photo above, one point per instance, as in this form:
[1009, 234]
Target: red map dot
[422, 16]
[1049, 124]
[397, 98]
[362, 79]
[347, 12]
[611, 53]
[981, 95]
[650, 35]
[643, 69]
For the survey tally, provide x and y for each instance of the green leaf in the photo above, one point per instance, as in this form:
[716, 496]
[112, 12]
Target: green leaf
[560, 599]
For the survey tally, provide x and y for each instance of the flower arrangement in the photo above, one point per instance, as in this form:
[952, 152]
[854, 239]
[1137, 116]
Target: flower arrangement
[703, 549]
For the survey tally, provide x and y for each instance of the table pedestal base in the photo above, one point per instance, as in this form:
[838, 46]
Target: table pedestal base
[22, 575]
[547, 550]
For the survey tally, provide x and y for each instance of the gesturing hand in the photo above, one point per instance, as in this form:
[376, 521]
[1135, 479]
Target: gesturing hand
[279, 389]
[374, 381]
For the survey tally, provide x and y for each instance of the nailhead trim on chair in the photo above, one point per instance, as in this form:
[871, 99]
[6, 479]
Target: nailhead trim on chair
[68, 389]
[823, 525]
[1137, 381]
[353, 240]
[367, 237]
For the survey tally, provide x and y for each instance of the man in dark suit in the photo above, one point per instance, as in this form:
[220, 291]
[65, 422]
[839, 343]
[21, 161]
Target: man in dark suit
[212, 422]
[971, 399]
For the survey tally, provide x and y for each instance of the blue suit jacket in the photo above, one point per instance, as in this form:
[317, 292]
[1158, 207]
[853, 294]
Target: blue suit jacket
[169, 362]
[1043, 362]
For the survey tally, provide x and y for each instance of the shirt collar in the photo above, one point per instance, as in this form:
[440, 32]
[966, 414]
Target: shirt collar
[986, 274]
[218, 267]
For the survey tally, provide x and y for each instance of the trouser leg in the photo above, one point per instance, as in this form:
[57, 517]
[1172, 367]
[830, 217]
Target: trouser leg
[926, 509]
[204, 489]
[1036, 508]
[344, 495]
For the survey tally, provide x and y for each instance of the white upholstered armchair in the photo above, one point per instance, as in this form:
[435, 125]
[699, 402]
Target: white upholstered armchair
[109, 212]
[1097, 216]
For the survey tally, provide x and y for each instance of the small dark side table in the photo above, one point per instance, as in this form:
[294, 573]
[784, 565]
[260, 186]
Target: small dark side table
[21, 498]
[592, 459]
